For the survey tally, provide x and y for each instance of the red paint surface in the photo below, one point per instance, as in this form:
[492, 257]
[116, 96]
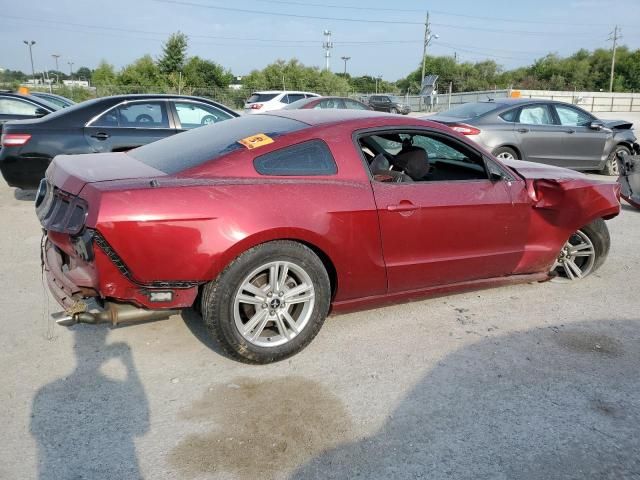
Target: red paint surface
[456, 235]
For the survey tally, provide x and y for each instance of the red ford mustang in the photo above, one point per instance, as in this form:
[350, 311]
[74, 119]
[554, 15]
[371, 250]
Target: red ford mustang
[266, 222]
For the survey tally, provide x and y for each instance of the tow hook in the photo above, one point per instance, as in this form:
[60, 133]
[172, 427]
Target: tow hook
[113, 313]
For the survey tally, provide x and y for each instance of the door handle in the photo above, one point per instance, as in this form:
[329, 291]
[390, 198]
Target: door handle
[100, 136]
[403, 206]
[523, 130]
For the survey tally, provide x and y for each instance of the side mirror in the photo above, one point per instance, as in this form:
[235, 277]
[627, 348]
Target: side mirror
[596, 125]
[41, 112]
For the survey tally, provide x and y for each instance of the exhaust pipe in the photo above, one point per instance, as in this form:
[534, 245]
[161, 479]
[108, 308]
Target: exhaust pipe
[113, 313]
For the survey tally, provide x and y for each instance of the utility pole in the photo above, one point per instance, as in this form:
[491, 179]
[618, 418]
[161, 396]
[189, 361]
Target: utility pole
[56, 56]
[346, 59]
[70, 70]
[615, 36]
[327, 45]
[428, 36]
[31, 43]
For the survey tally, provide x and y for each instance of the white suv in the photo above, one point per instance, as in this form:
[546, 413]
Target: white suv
[268, 100]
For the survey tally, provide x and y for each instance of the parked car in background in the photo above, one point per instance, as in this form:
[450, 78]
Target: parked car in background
[108, 124]
[16, 106]
[542, 131]
[389, 103]
[59, 100]
[265, 222]
[266, 101]
[328, 102]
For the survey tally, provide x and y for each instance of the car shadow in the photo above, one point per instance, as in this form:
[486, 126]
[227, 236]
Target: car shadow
[629, 208]
[548, 403]
[85, 424]
[193, 321]
[24, 195]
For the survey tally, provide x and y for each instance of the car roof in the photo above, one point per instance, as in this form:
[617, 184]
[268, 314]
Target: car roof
[328, 116]
[282, 91]
[519, 101]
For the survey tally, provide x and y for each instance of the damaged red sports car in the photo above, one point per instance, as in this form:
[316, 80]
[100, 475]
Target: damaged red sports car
[265, 223]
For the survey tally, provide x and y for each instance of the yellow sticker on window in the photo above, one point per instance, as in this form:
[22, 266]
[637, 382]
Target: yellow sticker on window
[255, 141]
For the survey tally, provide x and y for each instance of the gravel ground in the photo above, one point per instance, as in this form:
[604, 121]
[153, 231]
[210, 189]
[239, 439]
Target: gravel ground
[529, 381]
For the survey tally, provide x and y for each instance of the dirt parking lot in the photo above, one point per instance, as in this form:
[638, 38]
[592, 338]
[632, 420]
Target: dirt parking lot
[530, 381]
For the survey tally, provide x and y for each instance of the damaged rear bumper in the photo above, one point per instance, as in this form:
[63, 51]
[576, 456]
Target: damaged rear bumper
[629, 166]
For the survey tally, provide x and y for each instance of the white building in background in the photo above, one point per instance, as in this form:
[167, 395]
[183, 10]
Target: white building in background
[76, 83]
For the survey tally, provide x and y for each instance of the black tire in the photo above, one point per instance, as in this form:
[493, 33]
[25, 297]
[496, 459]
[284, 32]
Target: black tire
[598, 234]
[506, 151]
[218, 301]
[208, 119]
[393, 110]
[144, 118]
[611, 166]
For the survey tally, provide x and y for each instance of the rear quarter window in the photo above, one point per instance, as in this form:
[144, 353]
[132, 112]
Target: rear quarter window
[308, 158]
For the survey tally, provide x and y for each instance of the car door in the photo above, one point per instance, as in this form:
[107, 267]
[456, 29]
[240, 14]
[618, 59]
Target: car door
[130, 124]
[455, 225]
[539, 137]
[582, 146]
[375, 102]
[192, 114]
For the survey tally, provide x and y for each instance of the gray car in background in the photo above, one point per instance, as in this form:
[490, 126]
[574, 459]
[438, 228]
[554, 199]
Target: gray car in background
[543, 131]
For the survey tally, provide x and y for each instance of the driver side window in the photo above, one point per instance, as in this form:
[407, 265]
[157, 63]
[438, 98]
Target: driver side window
[407, 157]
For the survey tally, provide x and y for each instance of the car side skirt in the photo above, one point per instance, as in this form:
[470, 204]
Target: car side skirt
[365, 303]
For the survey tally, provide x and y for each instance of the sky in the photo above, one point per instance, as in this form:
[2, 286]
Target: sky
[381, 37]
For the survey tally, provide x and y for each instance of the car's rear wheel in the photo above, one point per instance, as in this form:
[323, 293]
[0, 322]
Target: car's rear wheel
[269, 303]
[584, 252]
[611, 167]
[505, 153]
[393, 110]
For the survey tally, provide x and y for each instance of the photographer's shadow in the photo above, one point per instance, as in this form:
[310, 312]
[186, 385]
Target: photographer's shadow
[85, 424]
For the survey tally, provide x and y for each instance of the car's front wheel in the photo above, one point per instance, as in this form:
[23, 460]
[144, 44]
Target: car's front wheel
[611, 166]
[393, 110]
[584, 252]
[269, 303]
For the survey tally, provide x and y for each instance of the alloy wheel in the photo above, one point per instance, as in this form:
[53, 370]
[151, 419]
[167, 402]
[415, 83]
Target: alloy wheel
[505, 156]
[274, 304]
[576, 259]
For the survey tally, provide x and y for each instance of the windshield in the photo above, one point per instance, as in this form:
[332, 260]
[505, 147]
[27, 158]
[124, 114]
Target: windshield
[471, 110]
[46, 102]
[396, 99]
[75, 107]
[262, 97]
[59, 101]
[195, 147]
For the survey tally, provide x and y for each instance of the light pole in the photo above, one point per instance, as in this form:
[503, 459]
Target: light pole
[378, 79]
[31, 43]
[346, 59]
[70, 70]
[56, 56]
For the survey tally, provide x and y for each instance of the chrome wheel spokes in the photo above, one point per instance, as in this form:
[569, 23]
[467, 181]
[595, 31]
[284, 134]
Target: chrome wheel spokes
[577, 257]
[274, 303]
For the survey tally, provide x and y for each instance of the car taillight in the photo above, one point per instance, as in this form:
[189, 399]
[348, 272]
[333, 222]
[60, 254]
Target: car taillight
[256, 106]
[14, 139]
[465, 129]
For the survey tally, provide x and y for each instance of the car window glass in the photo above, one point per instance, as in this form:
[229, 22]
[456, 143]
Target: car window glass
[353, 105]
[261, 97]
[12, 106]
[572, 117]
[536, 115]
[294, 97]
[509, 115]
[409, 157]
[331, 103]
[193, 114]
[144, 115]
[308, 158]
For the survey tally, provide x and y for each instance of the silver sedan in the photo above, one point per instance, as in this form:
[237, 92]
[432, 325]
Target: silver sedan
[543, 131]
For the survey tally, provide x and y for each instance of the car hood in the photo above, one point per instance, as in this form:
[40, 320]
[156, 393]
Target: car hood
[618, 124]
[531, 170]
[72, 172]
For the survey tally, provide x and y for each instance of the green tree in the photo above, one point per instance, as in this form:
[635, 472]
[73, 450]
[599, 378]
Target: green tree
[104, 74]
[83, 72]
[200, 73]
[141, 75]
[174, 53]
